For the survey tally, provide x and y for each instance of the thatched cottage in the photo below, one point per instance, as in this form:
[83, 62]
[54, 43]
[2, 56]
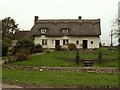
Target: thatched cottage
[85, 33]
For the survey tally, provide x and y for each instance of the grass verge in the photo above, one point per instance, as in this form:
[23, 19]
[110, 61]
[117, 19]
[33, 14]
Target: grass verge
[60, 79]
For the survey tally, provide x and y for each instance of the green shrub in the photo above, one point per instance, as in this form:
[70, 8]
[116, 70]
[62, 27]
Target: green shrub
[58, 47]
[24, 43]
[11, 51]
[8, 41]
[71, 46]
[5, 47]
[38, 48]
[47, 51]
[11, 59]
[95, 48]
[77, 57]
[100, 57]
[22, 54]
[100, 44]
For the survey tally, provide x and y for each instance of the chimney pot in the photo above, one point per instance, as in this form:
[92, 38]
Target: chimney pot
[79, 17]
[35, 19]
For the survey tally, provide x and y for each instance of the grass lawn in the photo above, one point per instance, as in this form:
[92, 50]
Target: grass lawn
[51, 59]
[59, 79]
[62, 78]
[47, 59]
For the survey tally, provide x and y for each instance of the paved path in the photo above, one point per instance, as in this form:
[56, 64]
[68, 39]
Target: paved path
[5, 85]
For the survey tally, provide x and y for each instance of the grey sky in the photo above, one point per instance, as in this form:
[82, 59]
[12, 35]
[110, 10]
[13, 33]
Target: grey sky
[23, 11]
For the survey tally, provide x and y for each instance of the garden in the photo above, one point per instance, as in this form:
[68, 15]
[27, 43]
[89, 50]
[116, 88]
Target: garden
[66, 58]
[59, 68]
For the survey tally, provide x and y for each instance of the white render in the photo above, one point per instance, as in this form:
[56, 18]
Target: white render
[72, 39]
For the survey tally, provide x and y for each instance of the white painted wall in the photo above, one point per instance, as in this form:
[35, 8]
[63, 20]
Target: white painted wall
[72, 39]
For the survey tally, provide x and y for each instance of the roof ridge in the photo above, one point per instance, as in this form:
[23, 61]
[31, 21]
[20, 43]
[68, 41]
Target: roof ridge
[79, 21]
[66, 19]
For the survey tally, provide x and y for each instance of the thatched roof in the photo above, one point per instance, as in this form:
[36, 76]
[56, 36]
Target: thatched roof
[20, 34]
[77, 27]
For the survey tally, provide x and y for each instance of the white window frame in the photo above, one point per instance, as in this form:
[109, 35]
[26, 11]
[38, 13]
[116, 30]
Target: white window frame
[65, 41]
[43, 30]
[44, 42]
[65, 31]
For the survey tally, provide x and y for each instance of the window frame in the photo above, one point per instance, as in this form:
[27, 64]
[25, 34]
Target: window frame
[43, 30]
[44, 42]
[65, 31]
[65, 41]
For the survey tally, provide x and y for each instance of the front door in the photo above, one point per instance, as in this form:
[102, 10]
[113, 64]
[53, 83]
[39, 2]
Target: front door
[57, 42]
[85, 44]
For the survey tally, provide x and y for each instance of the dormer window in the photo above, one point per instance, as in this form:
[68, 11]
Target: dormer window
[65, 31]
[43, 30]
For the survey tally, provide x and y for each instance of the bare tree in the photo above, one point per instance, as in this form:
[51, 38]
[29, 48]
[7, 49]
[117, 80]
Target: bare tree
[115, 31]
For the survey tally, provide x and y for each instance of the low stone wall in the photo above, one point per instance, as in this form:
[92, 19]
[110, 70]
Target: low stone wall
[68, 69]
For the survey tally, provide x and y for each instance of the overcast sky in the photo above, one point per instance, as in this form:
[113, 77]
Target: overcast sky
[23, 11]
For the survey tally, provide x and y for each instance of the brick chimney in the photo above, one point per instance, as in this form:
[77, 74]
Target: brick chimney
[79, 17]
[35, 19]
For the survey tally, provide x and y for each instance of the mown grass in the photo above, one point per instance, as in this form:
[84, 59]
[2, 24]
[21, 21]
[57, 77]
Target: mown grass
[46, 59]
[51, 59]
[59, 79]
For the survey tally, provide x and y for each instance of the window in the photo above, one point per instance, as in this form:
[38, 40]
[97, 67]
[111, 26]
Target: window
[77, 42]
[65, 41]
[43, 30]
[65, 31]
[44, 42]
[91, 42]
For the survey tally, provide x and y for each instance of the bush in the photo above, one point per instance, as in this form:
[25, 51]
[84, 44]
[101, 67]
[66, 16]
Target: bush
[58, 47]
[8, 41]
[11, 51]
[6, 62]
[5, 47]
[22, 54]
[24, 43]
[100, 44]
[47, 51]
[38, 48]
[100, 57]
[77, 57]
[71, 46]
[11, 59]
